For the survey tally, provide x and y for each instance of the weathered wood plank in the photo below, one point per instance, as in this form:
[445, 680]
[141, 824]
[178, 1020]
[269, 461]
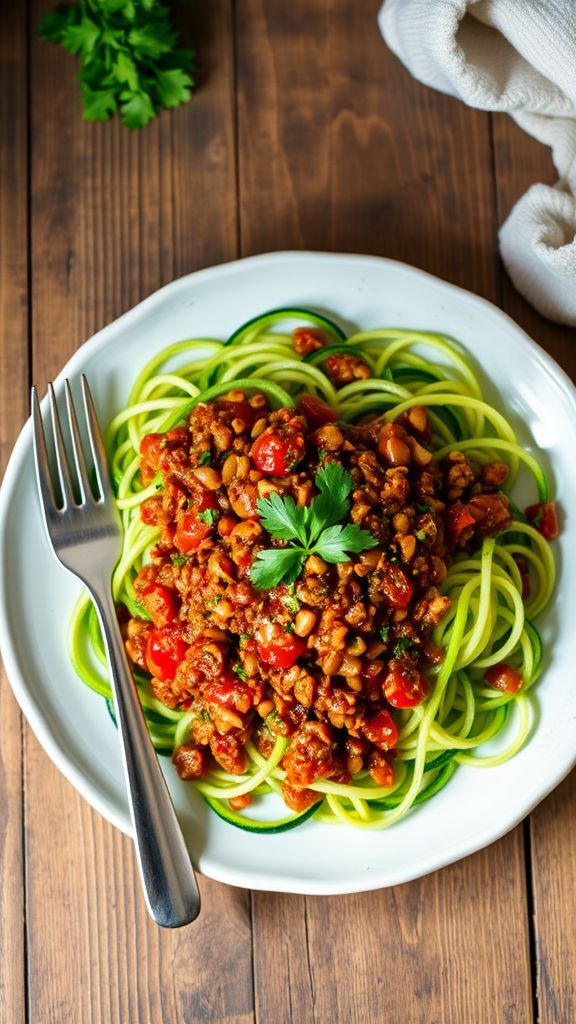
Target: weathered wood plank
[344, 151]
[13, 406]
[114, 216]
[339, 149]
[423, 953]
[521, 162]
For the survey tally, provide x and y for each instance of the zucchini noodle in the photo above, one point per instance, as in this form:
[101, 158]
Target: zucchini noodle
[488, 620]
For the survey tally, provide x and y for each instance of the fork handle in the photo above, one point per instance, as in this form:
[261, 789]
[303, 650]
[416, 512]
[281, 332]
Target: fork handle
[168, 879]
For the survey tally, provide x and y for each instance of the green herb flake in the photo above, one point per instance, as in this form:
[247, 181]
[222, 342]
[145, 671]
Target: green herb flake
[208, 516]
[384, 633]
[215, 600]
[292, 603]
[178, 559]
[421, 536]
[403, 646]
[240, 671]
[205, 459]
[288, 627]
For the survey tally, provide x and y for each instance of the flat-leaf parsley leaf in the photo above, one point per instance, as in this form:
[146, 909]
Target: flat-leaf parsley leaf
[313, 529]
[129, 54]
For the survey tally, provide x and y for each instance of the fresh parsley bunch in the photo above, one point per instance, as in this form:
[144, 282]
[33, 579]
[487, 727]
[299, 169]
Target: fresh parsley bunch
[312, 529]
[130, 61]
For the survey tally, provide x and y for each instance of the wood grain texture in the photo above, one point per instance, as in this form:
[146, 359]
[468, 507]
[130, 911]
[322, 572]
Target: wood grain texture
[340, 149]
[13, 405]
[423, 953]
[117, 214]
[114, 216]
[337, 148]
[519, 163]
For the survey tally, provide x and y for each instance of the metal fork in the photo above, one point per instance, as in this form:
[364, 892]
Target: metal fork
[85, 532]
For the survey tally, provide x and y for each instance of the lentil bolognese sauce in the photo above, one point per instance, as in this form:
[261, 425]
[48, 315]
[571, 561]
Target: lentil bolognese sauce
[326, 589]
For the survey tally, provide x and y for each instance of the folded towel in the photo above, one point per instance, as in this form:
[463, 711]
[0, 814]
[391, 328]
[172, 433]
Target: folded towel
[517, 56]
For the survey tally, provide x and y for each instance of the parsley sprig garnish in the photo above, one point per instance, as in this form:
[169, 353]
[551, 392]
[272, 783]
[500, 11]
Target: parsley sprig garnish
[130, 58]
[313, 530]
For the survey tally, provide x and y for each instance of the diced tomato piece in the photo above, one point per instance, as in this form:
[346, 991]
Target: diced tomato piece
[239, 411]
[404, 686]
[503, 677]
[308, 339]
[151, 448]
[165, 649]
[150, 511]
[544, 517]
[206, 499]
[372, 675]
[282, 650]
[380, 769]
[190, 532]
[154, 447]
[277, 454]
[161, 603]
[230, 691]
[316, 412]
[459, 523]
[491, 514]
[238, 803]
[396, 586]
[381, 730]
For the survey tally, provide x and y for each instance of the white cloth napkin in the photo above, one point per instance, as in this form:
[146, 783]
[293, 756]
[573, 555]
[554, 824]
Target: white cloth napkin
[518, 56]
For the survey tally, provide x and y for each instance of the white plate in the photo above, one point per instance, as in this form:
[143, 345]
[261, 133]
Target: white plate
[36, 594]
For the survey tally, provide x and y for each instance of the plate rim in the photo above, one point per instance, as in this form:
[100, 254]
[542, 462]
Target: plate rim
[33, 712]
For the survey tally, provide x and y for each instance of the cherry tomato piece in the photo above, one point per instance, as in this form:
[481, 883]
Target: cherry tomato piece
[316, 412]
[282, 650]
[459, 522]
[190, 532]
[161, 603]
[165, 650]
[503, 677]
[381, 730]
[404, 686]
[276, 453]
[544, 517]
[396, 586]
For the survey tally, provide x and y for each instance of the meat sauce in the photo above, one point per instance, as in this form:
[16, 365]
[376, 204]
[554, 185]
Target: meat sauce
[328, 660]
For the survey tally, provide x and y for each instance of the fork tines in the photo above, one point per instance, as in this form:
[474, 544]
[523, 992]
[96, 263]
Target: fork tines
[70, 487]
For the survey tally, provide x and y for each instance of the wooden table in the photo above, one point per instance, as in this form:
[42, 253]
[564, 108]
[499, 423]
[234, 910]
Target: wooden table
[304, 133]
